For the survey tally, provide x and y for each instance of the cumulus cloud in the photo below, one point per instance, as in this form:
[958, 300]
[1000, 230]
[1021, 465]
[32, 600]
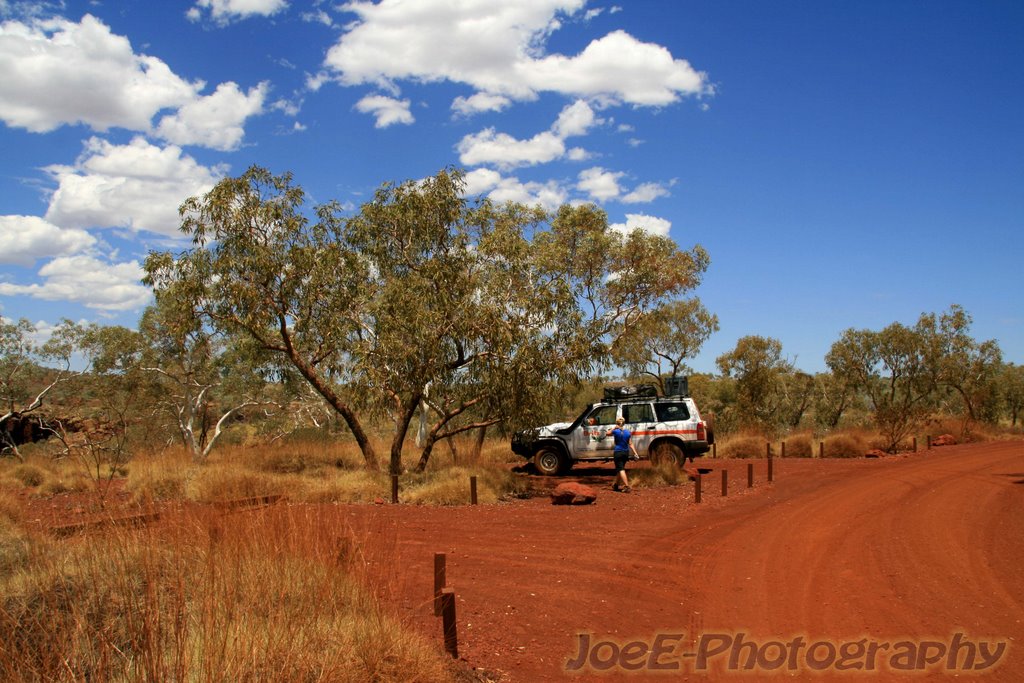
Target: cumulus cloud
[491, 147]
[225, 11]
[503, 150]
[26, 239]
[480, 102]
[58, 72]
[484, 181]
[89, 281]
[645, 192]
[499, 49]
[137, 186]
[599, 184]
[387, 110]
[639, 221]
[214, 121]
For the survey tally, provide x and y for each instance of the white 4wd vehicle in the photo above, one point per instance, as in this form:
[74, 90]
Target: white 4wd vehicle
[666, 429]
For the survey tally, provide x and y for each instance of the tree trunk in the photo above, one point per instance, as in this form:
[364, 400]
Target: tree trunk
[479, 445]
[402, 421]
[324, 389]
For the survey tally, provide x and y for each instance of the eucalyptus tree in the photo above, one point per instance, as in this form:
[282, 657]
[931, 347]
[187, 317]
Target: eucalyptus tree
[421, 298]
[665, 339]
[30, 373]
[966, 366]
[261, 267]
[759, 369]
[895, 368]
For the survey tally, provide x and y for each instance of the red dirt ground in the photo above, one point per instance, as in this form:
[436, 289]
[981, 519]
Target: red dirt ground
[914, 548]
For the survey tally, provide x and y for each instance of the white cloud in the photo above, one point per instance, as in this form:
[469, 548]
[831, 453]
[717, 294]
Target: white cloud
[481, 180]
[25, 239]
[549, 195]
[577, 154]
[645, 192]
[499, 49]
[225, 11]
[599, 184]
[319, 17]
[89, 281]
[387, 110]
[57, 72]
[490, 147]
[575, 119]
[620, 68]
[639, 221]
[480, 102]
[138, 186]
[216, 120]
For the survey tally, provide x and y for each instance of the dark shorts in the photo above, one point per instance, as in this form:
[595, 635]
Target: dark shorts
[620, 460]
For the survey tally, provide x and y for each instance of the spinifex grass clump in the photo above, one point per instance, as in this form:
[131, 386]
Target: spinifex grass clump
[269, 596]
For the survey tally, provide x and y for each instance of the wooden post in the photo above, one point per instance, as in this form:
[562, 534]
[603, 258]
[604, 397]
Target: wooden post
[771, 472]
[472, 490]
[768, 450]
[725, 482]
[439, 581]
[929, 442]
[696, 488]
[783, 449]
[915, 444]
[394, 488]
[821, 449]
[714, 450]
[451, 634]
[750, 475]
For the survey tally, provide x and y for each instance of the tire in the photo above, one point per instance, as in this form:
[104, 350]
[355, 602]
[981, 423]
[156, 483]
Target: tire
[549, 461]
[667, 453]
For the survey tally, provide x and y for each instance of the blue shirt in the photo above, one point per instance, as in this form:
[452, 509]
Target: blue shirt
[621, 436]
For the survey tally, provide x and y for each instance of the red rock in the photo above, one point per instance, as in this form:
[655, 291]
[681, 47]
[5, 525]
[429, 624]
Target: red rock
[944, 440]
[573, 493]
[875, 453]
[378, 501]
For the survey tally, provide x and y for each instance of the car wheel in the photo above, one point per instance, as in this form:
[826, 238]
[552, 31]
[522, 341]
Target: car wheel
[667, 453]
[549, 461]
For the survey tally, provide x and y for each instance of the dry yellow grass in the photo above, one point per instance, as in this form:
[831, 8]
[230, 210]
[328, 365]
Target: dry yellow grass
[260, 597]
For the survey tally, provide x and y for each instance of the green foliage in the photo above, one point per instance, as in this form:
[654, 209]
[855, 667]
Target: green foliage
[661, 342]
[759, 369]
[421, 303]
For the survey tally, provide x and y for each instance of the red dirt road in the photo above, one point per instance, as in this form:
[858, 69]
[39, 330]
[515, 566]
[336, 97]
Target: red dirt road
[851, 558]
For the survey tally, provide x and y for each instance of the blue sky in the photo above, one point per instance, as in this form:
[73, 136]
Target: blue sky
[846, 164]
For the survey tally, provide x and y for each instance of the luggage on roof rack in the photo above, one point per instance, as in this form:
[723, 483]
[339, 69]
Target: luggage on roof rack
[630, 392]
[677, 386]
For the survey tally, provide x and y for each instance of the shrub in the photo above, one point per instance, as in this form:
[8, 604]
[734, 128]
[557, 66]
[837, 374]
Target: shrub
[844, 445]
[30, 475]
[799, 446]
[656, 475]
[743, 446]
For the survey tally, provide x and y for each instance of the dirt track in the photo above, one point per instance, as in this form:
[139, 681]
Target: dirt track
[910, 549]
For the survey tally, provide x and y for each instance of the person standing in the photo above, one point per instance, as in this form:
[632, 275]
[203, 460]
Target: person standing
[620, 454]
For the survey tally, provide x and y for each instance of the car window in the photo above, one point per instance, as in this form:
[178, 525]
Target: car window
[671, 412]
[604, 415]
[638, 413]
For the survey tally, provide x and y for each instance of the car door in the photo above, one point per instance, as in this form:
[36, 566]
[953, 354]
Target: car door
[592, 440]
[641, 422]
